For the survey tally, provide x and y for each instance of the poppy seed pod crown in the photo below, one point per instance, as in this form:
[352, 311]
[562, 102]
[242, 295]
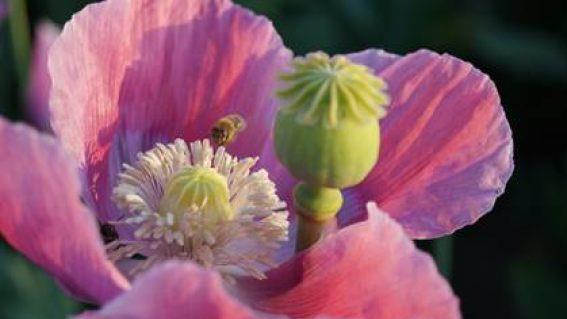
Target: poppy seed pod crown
[327, 131]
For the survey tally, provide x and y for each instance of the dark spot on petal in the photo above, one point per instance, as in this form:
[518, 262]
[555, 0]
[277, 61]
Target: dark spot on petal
[108, 232]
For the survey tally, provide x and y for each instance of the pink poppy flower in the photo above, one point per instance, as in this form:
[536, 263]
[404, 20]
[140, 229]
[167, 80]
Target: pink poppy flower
[129, 74]
[394, 281]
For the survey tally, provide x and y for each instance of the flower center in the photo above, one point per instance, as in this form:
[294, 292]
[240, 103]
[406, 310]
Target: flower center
[197, 188]
[195, 203]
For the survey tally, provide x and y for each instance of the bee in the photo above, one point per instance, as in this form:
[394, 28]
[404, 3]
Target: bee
[226, 129]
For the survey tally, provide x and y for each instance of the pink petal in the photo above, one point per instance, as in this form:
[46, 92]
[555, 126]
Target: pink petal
[43, 217]
[446, 149]
[284, 185]
[175, 290]
[40, 82]
[129, 73]
[366, 270]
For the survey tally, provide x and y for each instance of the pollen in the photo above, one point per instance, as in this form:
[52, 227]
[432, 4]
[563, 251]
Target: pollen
[199, 204]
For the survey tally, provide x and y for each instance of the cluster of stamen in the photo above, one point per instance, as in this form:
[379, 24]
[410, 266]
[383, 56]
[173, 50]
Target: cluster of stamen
[198, 204]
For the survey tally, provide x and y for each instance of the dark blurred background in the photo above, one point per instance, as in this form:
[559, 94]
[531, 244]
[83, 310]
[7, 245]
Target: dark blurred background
[513, 262]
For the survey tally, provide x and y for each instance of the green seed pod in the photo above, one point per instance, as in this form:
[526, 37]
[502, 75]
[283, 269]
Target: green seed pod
[327, 131]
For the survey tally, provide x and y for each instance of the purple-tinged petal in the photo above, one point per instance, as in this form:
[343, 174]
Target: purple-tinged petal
[366, 270]
[175, 290]
[446, 147]
[127, 74]
[42, 216]
[278, 173]
[284, 185]
[40, 82]
[3, 10]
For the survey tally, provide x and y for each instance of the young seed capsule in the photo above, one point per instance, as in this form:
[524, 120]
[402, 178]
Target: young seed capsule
[327, 131]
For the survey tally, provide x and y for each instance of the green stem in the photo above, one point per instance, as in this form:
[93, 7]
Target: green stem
[20, 34]
[316, 208]
[310, 231]
[443, 252]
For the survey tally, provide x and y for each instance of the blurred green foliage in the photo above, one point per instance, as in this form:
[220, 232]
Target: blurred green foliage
[27, 292]
[512, 263]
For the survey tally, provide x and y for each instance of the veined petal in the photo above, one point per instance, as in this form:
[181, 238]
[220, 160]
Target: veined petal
[367, 270]
[40, 82]
[175, 290]
[446, 146]
[127, 74]
[284, 184]
[42, 216]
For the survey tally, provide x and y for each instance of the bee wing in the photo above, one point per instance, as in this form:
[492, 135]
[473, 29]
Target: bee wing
[239, 121]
